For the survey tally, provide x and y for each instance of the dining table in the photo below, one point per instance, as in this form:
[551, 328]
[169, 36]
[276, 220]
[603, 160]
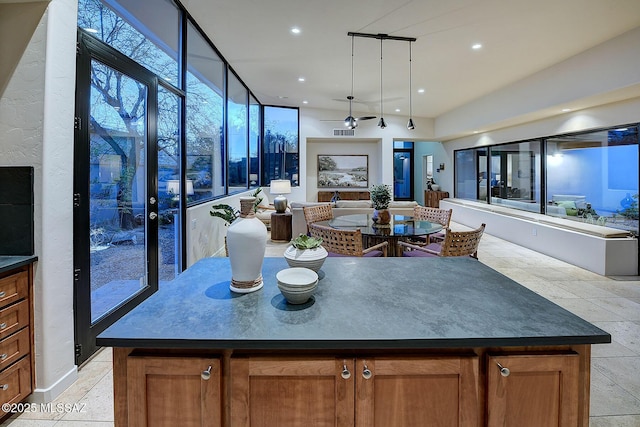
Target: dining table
[400, 228]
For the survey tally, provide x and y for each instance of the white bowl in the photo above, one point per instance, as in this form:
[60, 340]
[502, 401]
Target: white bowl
[297, 277]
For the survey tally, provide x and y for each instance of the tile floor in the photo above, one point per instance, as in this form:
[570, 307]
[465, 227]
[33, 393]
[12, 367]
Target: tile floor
[613, 305]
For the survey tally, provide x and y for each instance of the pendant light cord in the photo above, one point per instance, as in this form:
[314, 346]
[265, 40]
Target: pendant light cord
[410, 90]
[381, 109]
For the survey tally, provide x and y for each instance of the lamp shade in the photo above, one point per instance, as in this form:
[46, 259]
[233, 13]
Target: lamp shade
[280, 186]
[173, 187]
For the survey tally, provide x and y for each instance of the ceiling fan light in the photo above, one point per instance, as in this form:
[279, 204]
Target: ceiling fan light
[410, 124]
[350, 122]
[382, 123]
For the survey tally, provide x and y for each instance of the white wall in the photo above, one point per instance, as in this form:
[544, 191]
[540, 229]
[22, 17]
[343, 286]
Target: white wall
[44, 81]
[316, 137]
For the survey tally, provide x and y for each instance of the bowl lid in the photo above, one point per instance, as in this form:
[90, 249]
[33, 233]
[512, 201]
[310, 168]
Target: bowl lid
[297, 276]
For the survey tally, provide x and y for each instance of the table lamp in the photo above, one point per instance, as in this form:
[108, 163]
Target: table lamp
[280, 187]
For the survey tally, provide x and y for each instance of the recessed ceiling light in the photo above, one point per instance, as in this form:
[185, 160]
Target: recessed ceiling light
[420, 90]
[397, 110]
[300, 79]
[282, 97]
[564, 110]
[295, 30]
[305, 102]
[476, 131]
[476, 46]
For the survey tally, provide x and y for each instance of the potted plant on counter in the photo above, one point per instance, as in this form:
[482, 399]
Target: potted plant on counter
[380, 199]
[306, 251]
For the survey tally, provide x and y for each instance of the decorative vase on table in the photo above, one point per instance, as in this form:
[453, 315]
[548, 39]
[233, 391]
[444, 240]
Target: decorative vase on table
[306, 251]
[381, 217]
[380, 199]
[246, 244]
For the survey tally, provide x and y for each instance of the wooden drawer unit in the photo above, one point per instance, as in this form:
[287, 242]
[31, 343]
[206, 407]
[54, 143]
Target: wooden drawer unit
[13, 318]
[16, 339]
[15, 382]
[14, 347]
[14, 288]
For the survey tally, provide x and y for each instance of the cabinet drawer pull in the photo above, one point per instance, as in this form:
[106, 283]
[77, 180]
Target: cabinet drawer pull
[503, 371]
[3, 325]
[3, 356]
[2, 293]
[4, 387]
[366, 373]
[206, 374]
[345, 372]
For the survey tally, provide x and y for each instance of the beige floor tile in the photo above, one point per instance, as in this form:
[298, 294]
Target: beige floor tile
[629, 310]
[587, 310]
[64, 423]
[608, 398]
[620, 288]
[585, 289]
[625, 333]
[623, 371]
[97, 404]
[612, 349]
[615, 421]
[20, 422]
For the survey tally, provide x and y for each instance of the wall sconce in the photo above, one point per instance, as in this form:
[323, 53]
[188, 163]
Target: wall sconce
[441, 168]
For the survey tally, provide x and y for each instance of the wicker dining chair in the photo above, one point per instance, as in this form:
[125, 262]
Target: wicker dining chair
[317, 213]
[339, 243]
[456, 243]
[436, 215]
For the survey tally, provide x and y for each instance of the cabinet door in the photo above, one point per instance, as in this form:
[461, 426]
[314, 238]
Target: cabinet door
[287, 392]
[533, 390]
[417, 392]
[173, 391]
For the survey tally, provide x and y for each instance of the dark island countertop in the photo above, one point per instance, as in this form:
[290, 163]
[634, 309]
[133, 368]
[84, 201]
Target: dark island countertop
[361, 303]
[10, 262]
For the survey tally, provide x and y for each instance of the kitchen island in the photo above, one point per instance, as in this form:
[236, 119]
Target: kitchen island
[383, 342]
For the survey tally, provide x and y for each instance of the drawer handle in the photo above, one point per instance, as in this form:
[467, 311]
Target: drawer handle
[2, 293]
[345, 374]
[206, 374]
[366, 373]
[4, 387]
[503, 371]
[3, 356]
[3, 325]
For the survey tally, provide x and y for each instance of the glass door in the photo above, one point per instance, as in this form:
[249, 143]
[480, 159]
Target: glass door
[403, 171]
[115, 194]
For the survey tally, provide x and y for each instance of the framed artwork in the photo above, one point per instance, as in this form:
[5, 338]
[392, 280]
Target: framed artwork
[339, 171]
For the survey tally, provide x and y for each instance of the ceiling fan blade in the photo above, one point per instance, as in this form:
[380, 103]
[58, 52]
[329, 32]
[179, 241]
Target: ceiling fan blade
[365, 118]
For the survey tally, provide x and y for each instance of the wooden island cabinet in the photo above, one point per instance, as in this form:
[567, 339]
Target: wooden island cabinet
[361, 353]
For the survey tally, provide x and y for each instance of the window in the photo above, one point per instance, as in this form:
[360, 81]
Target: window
[205, 117]
[593, 177]
[280, 149]
[152, 40]
[254, 141]
[590, 177]
[237, 133]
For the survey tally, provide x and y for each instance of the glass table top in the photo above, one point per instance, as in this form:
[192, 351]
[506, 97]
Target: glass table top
[400, 225]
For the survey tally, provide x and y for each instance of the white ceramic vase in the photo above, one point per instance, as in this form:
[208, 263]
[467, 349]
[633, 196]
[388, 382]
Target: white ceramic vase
[307, 258]
[246, 244]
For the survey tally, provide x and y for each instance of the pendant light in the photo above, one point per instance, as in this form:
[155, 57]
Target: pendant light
[350, 121]
[381, 122]
[410, 124]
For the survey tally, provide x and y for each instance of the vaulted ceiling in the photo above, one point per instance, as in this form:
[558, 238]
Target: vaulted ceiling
[518, 38]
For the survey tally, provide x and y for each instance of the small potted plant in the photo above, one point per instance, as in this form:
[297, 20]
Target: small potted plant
[306, 251]
[380, 199]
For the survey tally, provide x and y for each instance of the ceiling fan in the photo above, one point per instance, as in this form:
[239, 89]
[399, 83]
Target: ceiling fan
[350, 121]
